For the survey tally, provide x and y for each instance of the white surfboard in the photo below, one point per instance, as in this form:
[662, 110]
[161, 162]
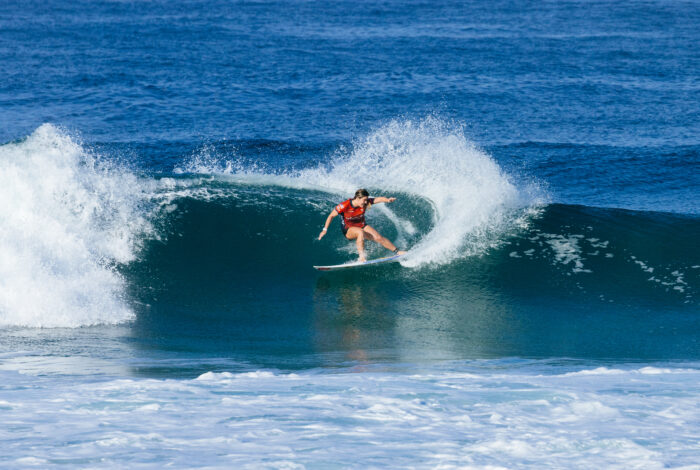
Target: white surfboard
[357, 264]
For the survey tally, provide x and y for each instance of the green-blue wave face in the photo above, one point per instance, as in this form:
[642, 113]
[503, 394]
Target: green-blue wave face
[234, 277]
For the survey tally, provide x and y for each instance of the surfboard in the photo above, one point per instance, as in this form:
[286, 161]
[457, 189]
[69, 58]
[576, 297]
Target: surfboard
[359, 264]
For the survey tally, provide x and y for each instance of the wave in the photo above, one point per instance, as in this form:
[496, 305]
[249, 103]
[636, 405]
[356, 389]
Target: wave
[66, 219]
[267, 233]
[86, 242]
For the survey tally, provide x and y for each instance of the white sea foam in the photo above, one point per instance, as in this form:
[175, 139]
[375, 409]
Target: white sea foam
[670, 279]
[567, 250]
[607, 417]
[65, 220]
[596, 371]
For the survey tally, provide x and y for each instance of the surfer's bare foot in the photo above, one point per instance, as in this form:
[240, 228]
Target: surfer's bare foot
[362, 258]
[400, 252]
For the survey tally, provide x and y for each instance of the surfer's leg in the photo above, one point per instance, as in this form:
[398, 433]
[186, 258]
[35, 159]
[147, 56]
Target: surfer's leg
[356, 233]
[373, 235]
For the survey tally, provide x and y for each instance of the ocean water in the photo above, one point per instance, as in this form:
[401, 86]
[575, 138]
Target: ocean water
[165, 170]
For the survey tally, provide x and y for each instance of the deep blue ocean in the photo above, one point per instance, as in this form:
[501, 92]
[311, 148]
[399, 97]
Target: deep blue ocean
[166, 168]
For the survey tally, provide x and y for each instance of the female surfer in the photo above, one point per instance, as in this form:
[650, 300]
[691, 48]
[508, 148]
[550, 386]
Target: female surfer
[354, 226]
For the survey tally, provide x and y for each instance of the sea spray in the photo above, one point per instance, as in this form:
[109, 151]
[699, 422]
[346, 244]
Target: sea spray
[474, 202]
[472, 198]
[65, 221]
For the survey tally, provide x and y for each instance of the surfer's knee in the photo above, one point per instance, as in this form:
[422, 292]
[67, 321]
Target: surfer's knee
[374, 236]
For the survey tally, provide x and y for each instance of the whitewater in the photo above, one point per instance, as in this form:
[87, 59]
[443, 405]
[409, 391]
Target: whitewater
[484, 414]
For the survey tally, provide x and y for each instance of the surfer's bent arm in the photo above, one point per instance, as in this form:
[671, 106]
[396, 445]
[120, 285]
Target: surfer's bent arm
[330, 217]
[378, 200]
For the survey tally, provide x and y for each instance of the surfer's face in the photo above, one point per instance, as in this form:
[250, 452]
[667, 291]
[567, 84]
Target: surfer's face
[362, 201]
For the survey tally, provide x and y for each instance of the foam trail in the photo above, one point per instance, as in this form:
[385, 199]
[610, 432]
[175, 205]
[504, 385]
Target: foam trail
[65, 220]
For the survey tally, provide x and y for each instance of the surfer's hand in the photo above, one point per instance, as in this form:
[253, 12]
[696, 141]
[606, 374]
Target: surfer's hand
[391, 199]
[323, 232]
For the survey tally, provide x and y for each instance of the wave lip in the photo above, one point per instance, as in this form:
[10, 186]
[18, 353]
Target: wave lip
[67, 220]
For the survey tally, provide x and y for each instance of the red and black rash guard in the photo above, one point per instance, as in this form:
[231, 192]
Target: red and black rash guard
[353, 216]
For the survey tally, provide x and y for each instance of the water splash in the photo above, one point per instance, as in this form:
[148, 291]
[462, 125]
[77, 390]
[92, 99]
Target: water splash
[66, 220]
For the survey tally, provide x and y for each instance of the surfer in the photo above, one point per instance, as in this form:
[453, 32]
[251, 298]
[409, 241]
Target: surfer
[353, 223]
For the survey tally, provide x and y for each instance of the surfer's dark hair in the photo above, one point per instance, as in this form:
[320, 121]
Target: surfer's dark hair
[361, 193]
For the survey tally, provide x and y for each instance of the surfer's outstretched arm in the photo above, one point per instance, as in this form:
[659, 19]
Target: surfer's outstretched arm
[378, 200]
[330, 217]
